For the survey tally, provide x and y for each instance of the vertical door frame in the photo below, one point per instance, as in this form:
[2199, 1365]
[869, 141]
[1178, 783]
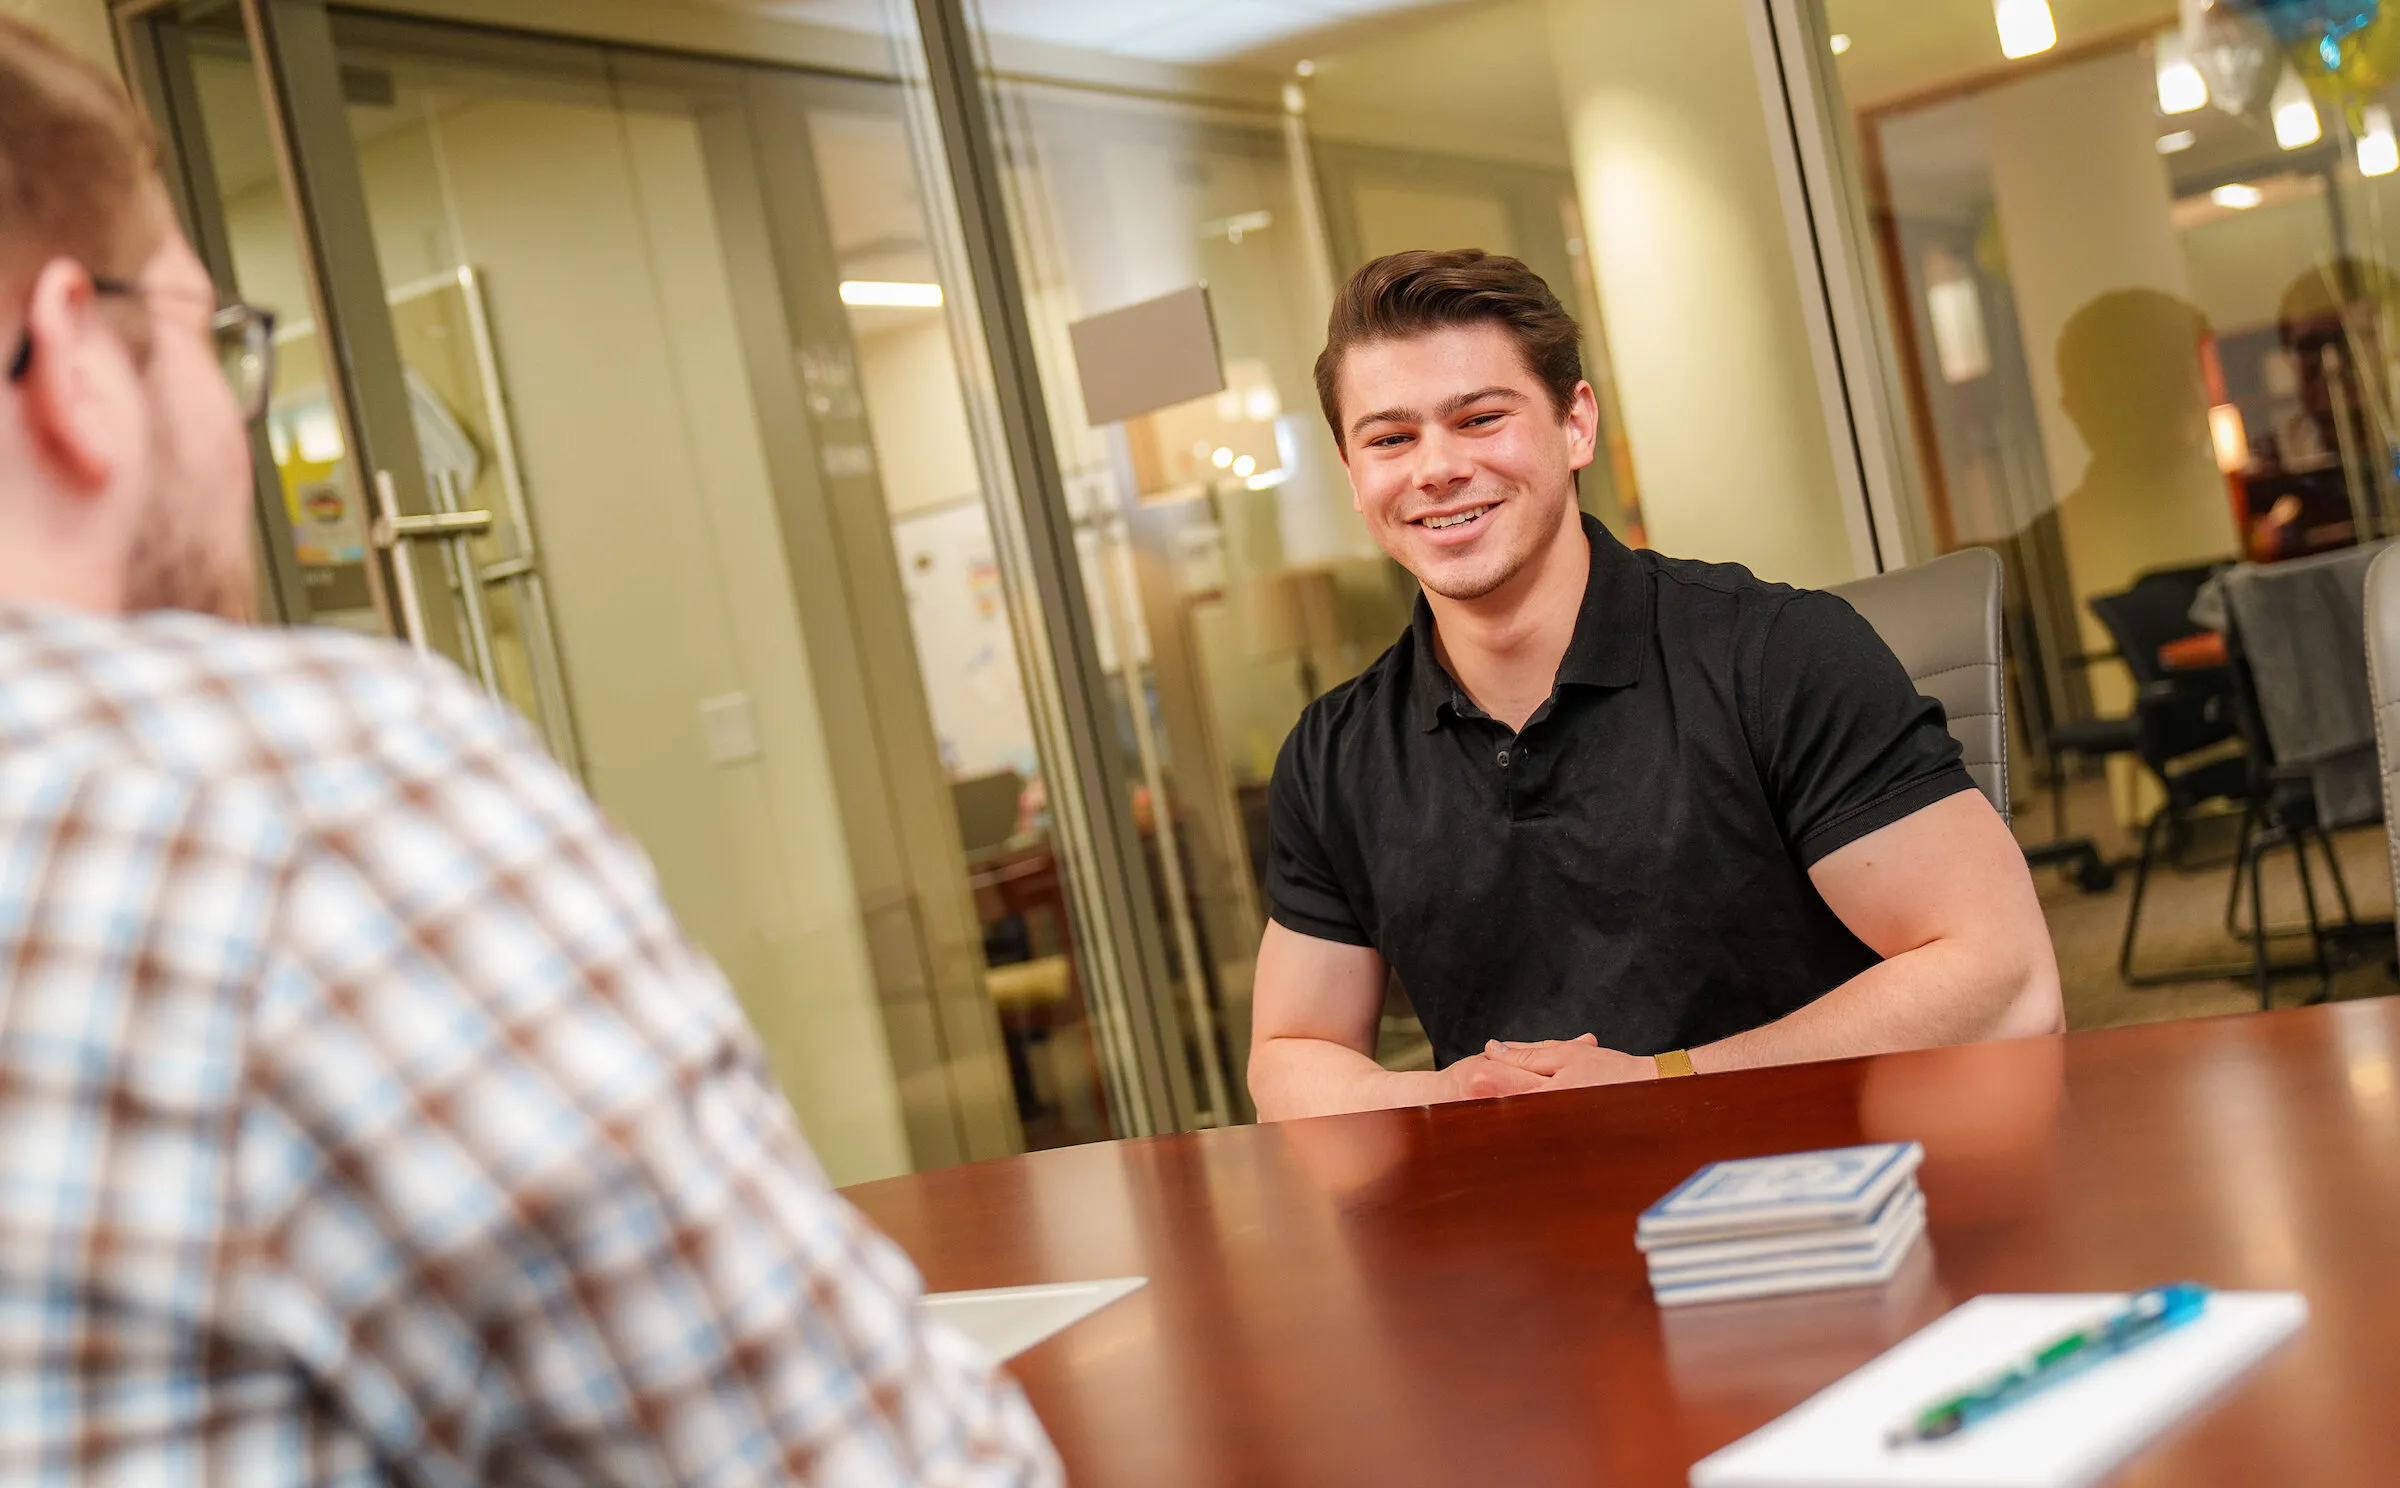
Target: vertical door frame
[1874, 447]
[1093, 812]
[157, 62]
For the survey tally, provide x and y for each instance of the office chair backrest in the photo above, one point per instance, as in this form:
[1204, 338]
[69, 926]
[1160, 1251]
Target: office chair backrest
[2383, 684]
[2181, 712]
[1942, 619]
[2156, 610]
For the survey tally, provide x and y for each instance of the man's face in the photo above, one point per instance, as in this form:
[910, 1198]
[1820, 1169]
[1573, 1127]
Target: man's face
[2311, 340]
[190, 547]
[1458, 461]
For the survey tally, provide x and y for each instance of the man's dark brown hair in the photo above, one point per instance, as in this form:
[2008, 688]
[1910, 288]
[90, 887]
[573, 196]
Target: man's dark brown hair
[78, 167]
[1407, 294]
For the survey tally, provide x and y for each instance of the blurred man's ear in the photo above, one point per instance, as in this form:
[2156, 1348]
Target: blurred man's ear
[77, 384]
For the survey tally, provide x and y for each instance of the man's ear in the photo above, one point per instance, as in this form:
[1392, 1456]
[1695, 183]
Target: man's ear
[78, 381]
[1583, 426]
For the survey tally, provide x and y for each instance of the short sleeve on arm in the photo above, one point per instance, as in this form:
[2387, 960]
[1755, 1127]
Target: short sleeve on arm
[1305, 891]
[1847, 743]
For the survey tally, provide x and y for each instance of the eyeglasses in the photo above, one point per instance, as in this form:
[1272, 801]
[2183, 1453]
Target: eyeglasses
[244, 337]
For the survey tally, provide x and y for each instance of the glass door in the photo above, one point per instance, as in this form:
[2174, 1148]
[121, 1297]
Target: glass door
[429, 539]
[673, 444]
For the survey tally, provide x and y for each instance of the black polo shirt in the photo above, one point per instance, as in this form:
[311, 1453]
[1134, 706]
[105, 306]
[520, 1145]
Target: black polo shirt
[1634, 864]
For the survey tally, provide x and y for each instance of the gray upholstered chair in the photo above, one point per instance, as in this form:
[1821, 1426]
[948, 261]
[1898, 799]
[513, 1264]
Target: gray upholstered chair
[1942, 619]
[2383, 684]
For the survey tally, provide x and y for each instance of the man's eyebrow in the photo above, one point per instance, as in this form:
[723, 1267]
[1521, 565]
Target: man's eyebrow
[1382, 416]
[1453, 404]
[1449, 406]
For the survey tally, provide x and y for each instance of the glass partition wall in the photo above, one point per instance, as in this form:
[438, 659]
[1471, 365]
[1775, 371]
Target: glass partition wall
[2137, 267]
[694, 399]
[627, 381]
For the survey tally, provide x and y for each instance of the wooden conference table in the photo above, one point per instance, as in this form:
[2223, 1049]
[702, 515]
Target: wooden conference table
[1451, 1296]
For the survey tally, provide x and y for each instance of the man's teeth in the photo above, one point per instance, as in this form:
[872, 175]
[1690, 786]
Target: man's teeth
[1465, 516]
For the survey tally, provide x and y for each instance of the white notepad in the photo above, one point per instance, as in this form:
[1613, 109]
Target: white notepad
[2073, 1434]
[1006, 1321]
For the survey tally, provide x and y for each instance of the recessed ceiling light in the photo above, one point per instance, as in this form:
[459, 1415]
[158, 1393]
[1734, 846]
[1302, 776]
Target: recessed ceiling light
[1841, 43]
[2295, 113]
[2241, 196]
[2181, 88]
[2378, 147]
[889, 293]
[2026, 27]
[2178, 142]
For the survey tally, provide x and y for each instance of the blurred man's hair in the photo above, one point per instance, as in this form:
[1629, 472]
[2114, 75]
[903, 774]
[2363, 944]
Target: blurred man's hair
[1408, 294]
[78, 166]
[2319, 299]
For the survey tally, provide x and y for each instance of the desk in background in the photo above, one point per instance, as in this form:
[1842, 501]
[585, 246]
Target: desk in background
[1451, 1295]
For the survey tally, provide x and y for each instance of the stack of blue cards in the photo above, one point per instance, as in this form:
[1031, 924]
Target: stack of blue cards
[1801, 1222]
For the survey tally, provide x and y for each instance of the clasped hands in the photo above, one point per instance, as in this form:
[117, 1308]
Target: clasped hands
[1552, 1064]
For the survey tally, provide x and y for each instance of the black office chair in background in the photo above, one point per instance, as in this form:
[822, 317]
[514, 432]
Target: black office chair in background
[2186, 736]
[2057, 743]
[2281, 810]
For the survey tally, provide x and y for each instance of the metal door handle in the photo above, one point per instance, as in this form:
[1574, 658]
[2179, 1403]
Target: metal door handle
[458, 528]
[455, 530]
[442, 524]
[404, 568]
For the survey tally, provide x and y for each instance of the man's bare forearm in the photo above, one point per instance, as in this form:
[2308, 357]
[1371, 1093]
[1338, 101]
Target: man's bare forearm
[1291, 1077]
[1947, 992]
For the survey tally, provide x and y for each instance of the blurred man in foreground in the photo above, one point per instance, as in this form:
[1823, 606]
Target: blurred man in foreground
[363, 1113]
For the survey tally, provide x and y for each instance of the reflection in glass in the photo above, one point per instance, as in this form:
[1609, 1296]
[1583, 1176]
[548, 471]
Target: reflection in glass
[2141, 296]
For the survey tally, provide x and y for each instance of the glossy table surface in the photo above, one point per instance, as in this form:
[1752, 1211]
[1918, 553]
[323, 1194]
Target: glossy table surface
[1451, 1295]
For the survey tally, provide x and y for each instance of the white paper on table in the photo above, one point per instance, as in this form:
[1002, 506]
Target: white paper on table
[1006, 1321]
[2070, 1435]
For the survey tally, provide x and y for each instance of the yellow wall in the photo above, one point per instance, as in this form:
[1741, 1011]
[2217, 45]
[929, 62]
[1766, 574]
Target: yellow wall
[1693, 260]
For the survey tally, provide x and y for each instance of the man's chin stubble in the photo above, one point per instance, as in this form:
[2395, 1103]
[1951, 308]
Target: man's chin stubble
[1467, 588]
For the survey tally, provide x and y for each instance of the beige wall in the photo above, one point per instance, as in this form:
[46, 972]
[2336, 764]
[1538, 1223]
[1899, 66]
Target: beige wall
[909, 378]
[81, 24]
[2242, 262]
[2085, 210]
[1693, 259]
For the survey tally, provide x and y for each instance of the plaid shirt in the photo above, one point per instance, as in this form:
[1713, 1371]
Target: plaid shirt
[364, 1116]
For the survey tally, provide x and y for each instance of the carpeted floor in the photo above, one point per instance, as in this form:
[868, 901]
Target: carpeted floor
[2183, 917]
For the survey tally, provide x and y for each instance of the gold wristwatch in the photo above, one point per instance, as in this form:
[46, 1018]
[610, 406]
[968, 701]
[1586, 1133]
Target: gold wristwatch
[1675, 1062]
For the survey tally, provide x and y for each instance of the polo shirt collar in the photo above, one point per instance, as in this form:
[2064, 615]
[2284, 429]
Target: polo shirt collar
[1612, 631]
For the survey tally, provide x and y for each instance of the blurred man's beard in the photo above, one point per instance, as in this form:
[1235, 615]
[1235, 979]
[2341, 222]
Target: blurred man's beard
[173, 567]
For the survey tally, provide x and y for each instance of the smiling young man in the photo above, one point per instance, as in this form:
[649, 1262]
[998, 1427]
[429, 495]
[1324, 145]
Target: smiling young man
[1607, 815]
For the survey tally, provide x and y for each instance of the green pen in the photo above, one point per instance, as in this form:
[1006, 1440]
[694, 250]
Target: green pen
[2146, 1315]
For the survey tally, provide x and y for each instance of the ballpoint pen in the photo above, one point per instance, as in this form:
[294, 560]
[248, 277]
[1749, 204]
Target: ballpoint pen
[2145, 1316]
